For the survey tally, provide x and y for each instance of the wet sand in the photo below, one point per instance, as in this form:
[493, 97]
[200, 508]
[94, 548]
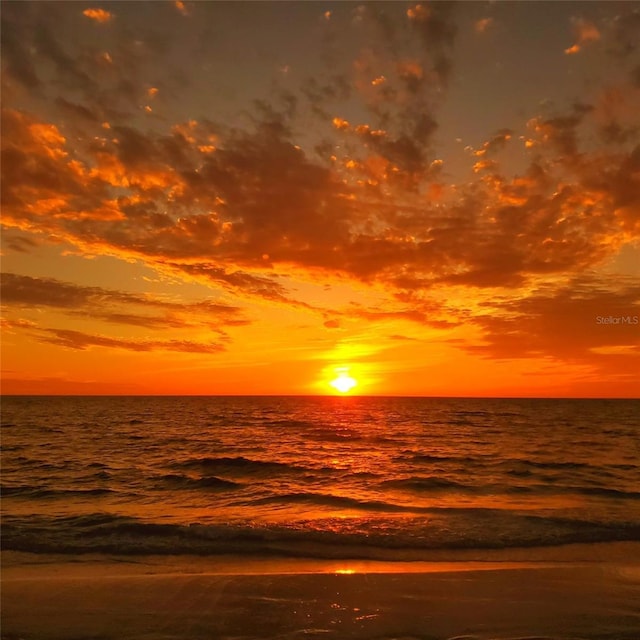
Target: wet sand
[155, 598]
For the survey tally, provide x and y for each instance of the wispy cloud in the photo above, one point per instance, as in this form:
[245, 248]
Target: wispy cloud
[114, 306]
[586, 32]
[79, 340]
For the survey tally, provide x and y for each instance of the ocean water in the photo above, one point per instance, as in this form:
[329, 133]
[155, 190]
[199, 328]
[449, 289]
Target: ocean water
[319, 477]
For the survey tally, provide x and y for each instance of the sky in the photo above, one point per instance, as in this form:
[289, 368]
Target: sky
[432, 199]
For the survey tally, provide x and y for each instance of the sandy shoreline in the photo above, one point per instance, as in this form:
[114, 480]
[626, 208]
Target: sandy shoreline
[585, 596]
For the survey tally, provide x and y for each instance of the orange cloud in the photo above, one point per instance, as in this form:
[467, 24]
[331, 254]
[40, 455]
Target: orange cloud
[340, 123]
[495, 144]
[411, 73]
[99, 15]
[586, 32]
[418, 12]
[482, 25]
[181, 7]
[192, 205]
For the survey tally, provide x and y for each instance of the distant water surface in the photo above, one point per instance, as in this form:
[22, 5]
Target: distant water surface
[324, 477]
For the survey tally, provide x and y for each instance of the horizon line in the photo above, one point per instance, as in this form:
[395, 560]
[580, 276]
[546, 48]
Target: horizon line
[301, 395]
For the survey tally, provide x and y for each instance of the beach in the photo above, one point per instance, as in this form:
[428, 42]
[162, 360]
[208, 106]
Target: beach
[110, 597]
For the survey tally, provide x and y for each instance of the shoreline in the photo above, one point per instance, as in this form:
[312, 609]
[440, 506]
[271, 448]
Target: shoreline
[206, 598]
[437, 560]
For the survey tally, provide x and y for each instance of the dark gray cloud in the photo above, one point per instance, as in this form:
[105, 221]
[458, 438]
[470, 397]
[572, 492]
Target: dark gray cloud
[565, 323]
[114, 306]
[434, 22]
[624, 34]
[19, 62]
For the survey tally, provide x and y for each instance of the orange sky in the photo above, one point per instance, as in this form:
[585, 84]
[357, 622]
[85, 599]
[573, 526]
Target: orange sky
[254, 198]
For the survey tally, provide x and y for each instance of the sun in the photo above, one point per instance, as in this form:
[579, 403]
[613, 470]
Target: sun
[343, 383]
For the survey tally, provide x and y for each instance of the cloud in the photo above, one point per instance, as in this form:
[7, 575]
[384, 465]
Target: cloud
[495, 144]
[181, 7]
[104, 76]
[99, 15]
[12, 325]
[19, 242]
[624, 34]
[78, 111]
[79, 340]
[114, 306]
[586, 32]
[483, 25]
[436, 28]
[401, 338]
[526, 228]
[19, 63]
[70, 70]
[257, 204]
[238, 281]
[565, 323]
[373, 315]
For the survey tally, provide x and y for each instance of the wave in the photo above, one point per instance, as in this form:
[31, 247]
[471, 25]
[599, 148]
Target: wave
[33, 464]
[541, 489]
[513, 466]
[413, 538]
[238, 464]
[329, 500]
[32, 491]
[178, 481]
[290, 423]
[538, 464]
[428, 457]
[430, 483]
[600, 491]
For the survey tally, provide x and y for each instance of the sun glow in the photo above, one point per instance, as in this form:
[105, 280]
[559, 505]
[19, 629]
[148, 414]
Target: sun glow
[343, 383]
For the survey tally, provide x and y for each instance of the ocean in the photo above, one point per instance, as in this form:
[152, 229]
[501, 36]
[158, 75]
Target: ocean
[316, 477]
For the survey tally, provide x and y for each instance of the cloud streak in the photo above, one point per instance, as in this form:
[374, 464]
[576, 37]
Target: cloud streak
[118, 307]
[78, 340]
